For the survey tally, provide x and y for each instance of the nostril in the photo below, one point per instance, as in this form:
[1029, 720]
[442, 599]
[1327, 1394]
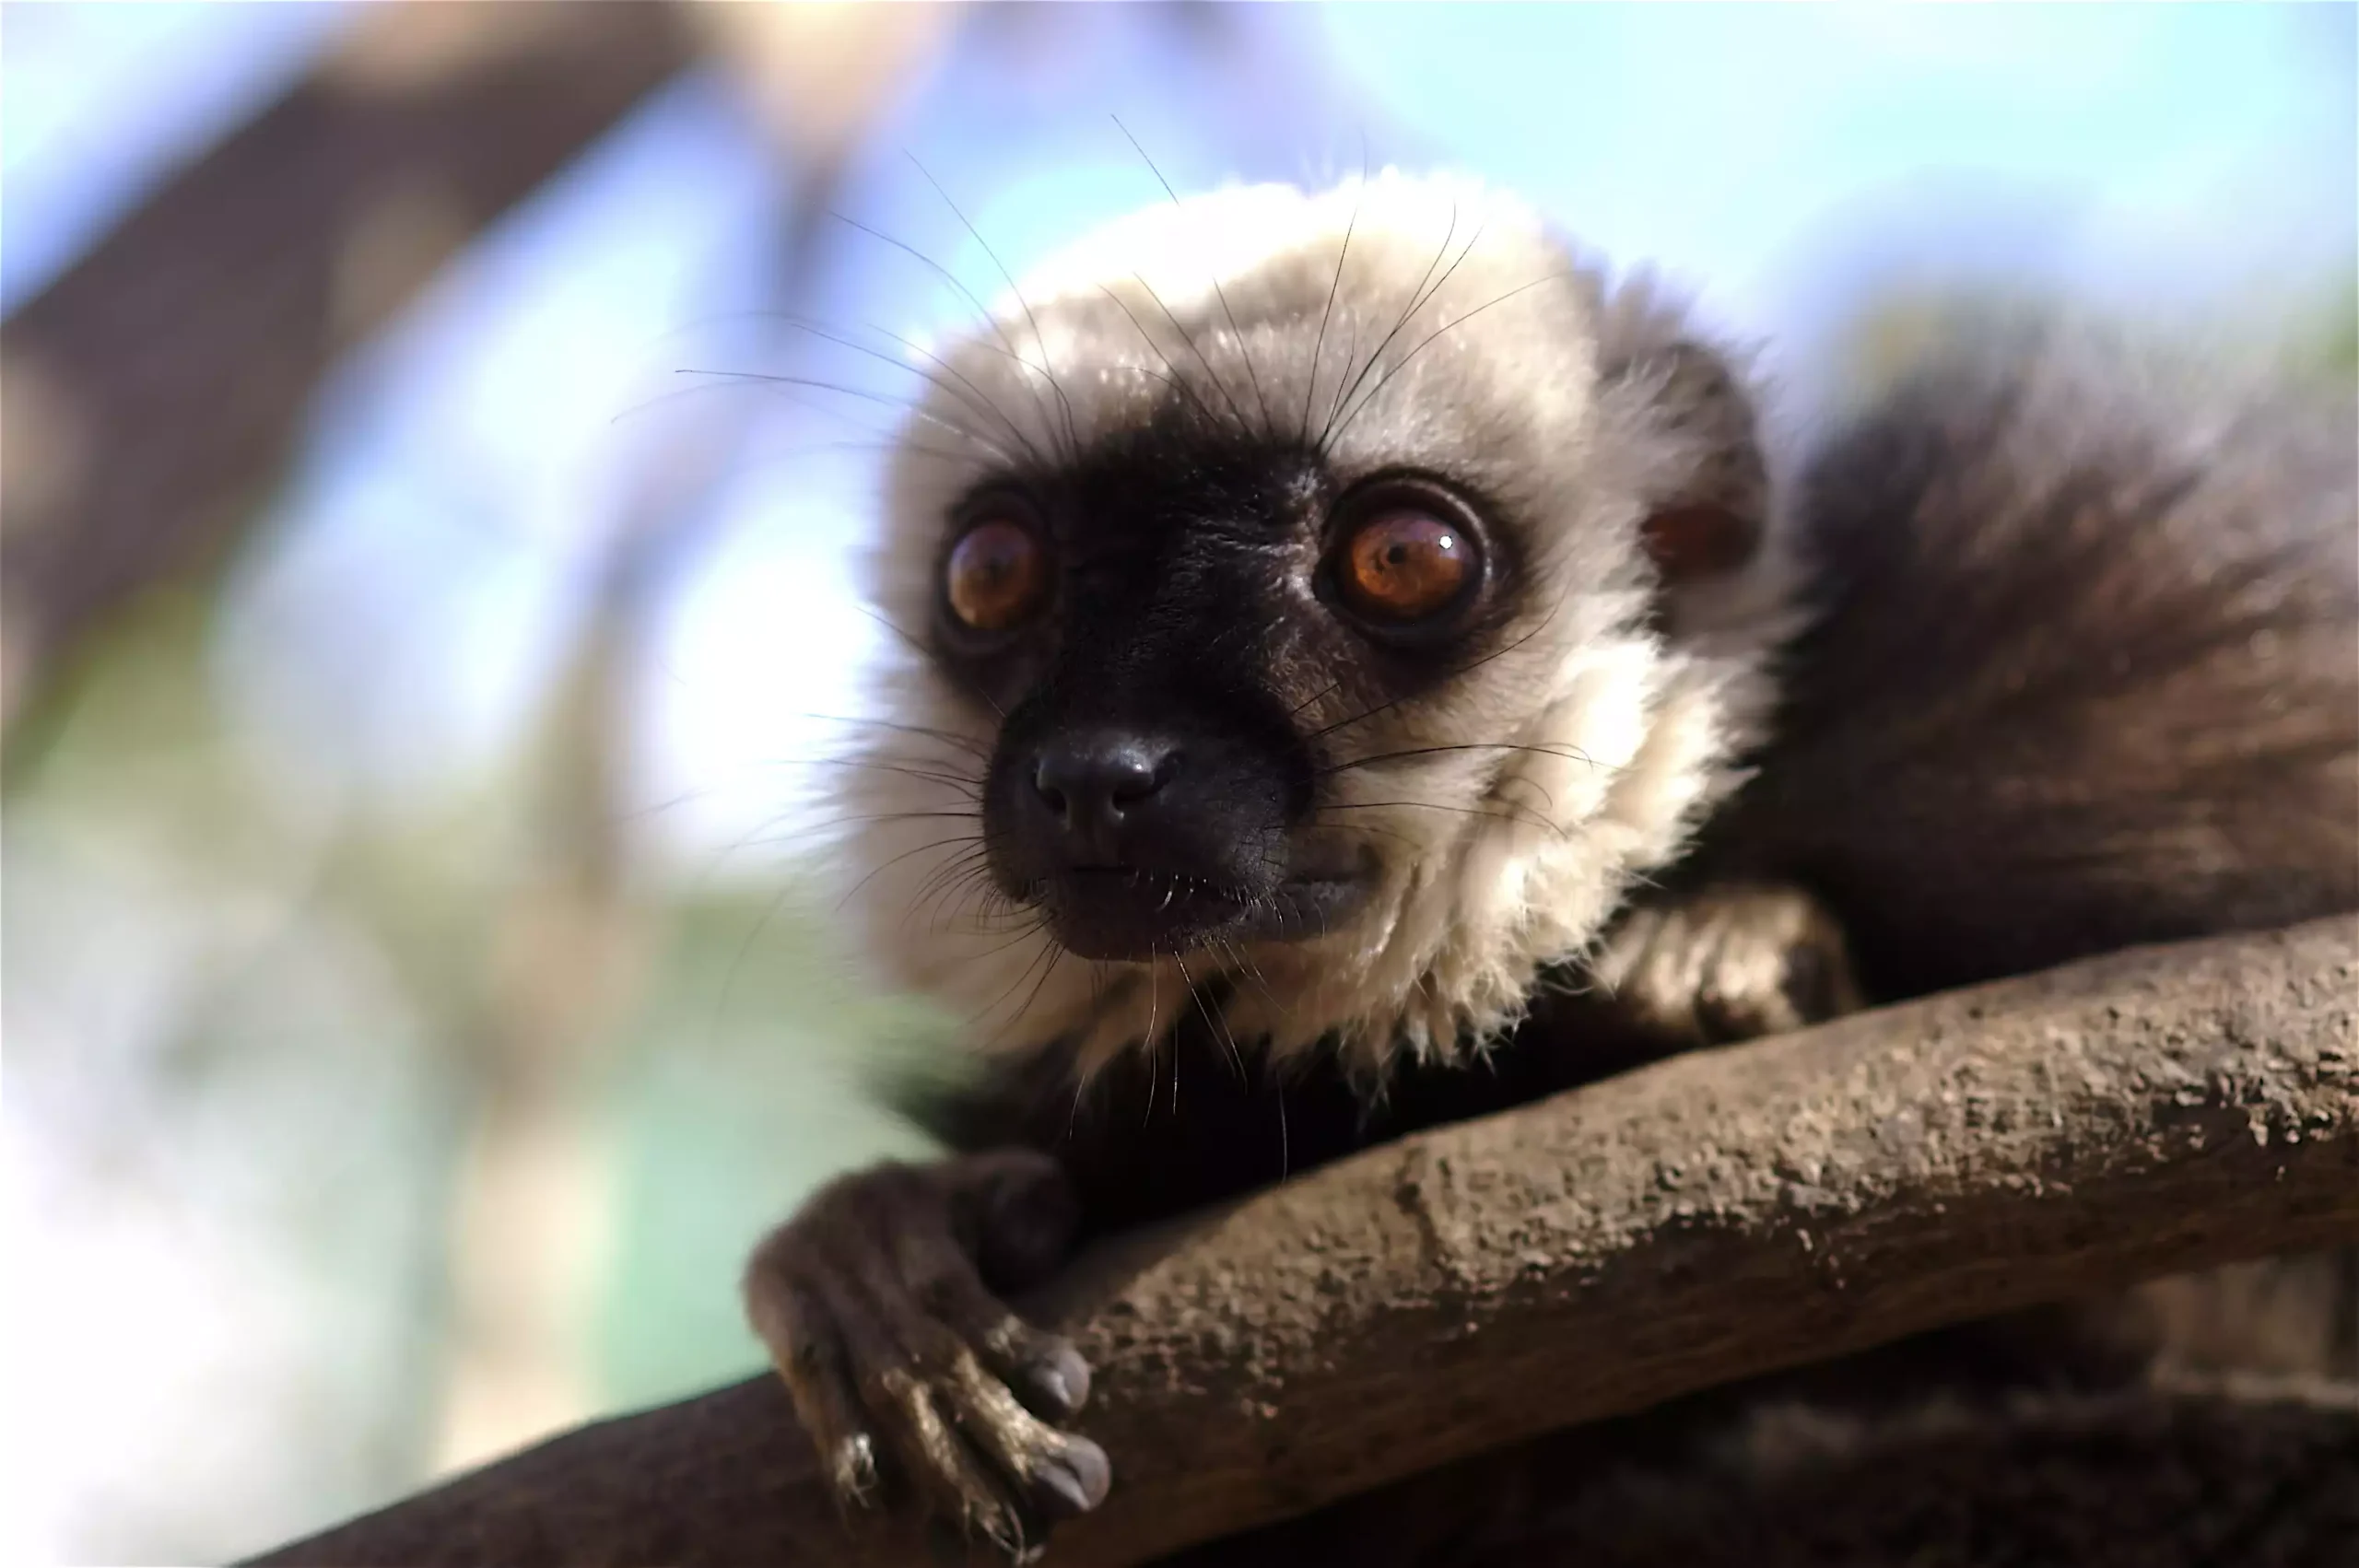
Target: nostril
[1049, 787]
[1095, 779]
[1132, 779]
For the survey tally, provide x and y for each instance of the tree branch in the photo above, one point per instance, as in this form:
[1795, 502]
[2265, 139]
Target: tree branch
[155, 390]
[1706, 1219]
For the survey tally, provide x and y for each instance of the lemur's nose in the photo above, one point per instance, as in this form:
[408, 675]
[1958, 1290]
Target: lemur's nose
[1095, 781]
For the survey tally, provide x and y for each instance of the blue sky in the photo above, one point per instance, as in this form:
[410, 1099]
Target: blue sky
[423, 566]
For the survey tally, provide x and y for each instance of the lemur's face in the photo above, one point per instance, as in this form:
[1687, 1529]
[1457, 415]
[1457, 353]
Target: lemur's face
[1297, 584]
[1192, 630]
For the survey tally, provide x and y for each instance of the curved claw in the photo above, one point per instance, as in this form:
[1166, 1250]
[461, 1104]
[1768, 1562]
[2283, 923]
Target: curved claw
[873, 1303]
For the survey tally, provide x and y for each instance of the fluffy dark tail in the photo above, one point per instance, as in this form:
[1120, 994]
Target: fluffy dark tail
[2086, 670]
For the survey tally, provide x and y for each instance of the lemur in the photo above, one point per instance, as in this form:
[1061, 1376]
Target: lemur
[1371, 667]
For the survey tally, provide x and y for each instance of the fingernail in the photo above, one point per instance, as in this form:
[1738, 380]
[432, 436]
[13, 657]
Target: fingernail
[1079, 1476]
[1065, 1377]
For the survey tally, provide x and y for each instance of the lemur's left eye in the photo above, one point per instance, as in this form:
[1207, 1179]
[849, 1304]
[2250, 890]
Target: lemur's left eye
[1402, 565]
[997, 575]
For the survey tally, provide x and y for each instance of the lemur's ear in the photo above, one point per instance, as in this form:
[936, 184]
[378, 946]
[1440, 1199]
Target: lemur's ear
[1706, 482]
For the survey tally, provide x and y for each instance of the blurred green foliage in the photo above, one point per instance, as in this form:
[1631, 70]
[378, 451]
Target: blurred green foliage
[746, 1079]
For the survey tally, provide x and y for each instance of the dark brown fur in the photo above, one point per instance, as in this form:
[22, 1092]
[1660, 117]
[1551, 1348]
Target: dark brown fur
[2086, 674]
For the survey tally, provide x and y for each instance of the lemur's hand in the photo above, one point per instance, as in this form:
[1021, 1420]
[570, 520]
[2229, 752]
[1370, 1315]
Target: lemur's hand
[877, 1302]
[1730, 961]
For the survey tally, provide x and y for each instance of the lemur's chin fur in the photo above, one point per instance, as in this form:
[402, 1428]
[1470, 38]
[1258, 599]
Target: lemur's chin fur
[1209, 374]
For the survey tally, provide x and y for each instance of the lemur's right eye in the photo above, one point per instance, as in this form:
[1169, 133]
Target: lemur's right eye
[1403, 566]
[996, 577]
[1405, 561]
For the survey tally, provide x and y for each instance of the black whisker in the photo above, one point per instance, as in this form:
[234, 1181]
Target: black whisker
[1175, 380]
[853, 892]
[1519, 815]
[1056, 957]
[1007, 345]
[1334, 284]
[1237, 412]
[948, 737]
[971, 788]
[1196, 996]
[766, 378]
[1040, 340]
[1300, 708]
[1402, 362]
[927, 653]
[640, 813]
[1417, 298]
[725, 380]
[890, 816]
[1414, 845]
[729, 980]
[1037, 924]
[1568, 753]
[946, 378]
[1245, 965]
[968, 871]
[1043, 961]
[1426, 298]
[1455, 670]
[1268, 426]
[810, 830]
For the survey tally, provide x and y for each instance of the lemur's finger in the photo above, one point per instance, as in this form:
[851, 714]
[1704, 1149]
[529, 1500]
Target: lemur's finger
[800, 1333]
[1044, 1369]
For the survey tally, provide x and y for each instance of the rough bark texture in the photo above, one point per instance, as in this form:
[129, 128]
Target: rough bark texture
[155, 390]
[1704, 1220]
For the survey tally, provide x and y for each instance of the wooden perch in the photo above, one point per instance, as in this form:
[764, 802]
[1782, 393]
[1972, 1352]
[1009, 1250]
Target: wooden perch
[1703, 1220]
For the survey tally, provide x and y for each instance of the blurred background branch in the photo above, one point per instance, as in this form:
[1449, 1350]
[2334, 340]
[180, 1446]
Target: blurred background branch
[156, 389]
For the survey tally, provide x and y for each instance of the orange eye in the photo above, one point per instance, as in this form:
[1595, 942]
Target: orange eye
[997, 577]
[1404, 566]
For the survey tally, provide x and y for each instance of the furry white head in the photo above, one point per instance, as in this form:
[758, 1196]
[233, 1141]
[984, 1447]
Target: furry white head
[1391, 322]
